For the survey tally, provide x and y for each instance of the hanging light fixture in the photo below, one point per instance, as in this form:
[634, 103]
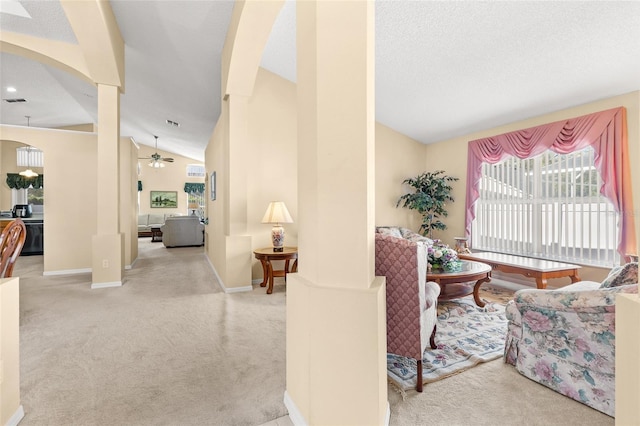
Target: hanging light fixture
[28, 173]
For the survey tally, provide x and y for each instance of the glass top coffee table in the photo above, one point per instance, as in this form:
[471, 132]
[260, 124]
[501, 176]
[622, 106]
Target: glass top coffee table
[462, 282]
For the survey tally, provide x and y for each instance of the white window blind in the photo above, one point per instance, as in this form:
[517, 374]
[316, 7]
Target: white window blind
[195, 170]
[548, 207]
[29, 157]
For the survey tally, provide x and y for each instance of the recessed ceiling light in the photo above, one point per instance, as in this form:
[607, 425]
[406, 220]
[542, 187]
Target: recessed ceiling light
[11, 89]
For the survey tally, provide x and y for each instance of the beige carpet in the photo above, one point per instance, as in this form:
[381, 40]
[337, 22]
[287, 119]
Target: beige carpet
[169, 348]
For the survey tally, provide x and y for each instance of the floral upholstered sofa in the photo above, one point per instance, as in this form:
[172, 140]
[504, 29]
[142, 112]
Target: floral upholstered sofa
[565, 338]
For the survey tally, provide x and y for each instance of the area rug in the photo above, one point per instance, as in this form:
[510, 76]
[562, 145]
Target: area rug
[466, 335]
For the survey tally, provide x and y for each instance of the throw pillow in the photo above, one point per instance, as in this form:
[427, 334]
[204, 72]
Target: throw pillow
[621, 275]
[408, 234]
[389, 230]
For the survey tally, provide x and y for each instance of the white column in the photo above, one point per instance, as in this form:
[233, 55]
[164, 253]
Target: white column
[335, 306]
[108, 244]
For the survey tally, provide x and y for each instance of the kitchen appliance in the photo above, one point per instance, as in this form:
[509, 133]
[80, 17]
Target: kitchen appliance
[22, 210]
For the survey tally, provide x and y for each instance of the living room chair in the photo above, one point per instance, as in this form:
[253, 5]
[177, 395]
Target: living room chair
[565, 339]
[411, 300]
[11, 242]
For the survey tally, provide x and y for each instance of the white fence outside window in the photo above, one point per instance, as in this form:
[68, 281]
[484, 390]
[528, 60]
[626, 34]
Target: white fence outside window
[548, 207]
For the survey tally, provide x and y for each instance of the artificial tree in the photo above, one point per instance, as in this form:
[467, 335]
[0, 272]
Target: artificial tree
[431, 193]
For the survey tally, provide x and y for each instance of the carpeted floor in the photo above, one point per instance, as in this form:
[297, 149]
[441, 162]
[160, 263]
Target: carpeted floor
[169, 348]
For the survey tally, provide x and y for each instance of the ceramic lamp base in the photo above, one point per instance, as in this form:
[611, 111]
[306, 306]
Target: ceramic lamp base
[277, 238]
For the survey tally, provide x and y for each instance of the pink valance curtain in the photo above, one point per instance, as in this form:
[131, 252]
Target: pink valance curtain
[605, 131]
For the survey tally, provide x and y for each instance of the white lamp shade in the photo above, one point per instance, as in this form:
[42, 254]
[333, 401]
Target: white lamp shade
[277, 213]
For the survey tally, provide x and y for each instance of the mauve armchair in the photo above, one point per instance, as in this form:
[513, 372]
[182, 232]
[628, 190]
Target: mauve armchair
[411, 300]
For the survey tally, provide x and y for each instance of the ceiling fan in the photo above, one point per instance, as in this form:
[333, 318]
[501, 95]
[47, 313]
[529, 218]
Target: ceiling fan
[157, 161]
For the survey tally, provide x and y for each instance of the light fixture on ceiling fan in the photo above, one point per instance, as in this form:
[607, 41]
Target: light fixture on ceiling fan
[157, 161]
[28, 173]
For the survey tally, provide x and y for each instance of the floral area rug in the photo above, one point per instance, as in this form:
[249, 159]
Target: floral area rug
[466, 335]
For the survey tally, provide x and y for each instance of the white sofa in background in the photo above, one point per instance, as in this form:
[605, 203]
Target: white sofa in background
[147, 221]
[180, 231]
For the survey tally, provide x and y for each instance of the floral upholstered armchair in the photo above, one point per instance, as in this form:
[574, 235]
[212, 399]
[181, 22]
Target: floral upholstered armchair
[411, 300]
[565, 338]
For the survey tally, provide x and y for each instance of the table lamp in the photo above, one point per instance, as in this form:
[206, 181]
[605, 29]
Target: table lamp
[277, 214]
[193, 207]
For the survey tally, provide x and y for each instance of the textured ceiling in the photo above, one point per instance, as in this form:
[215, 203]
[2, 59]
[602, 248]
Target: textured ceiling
[443, 69]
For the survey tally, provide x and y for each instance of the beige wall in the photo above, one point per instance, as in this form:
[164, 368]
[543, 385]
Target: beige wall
[169, 178]
[70, 192]
[439, 156]
[272, 159]
[398, 157]
[273, 165]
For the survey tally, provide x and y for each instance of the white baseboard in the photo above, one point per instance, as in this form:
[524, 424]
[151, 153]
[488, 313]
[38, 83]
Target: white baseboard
[16, 418]
[224, 288]
[68, 272]
[106, 285]
[257, 281]
[238, 289]
[294, 414]
[298, 419]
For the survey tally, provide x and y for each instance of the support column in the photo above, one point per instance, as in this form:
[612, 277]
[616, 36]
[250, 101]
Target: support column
[108, 244]
[627, 359]
[336, 313]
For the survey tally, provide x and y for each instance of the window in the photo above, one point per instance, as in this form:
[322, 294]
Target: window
[548, 207]
[196, 198]
[27, 156]
[195, 170]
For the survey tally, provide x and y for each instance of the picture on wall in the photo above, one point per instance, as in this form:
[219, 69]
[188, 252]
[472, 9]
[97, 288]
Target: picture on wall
[213, 186]
[164, 199]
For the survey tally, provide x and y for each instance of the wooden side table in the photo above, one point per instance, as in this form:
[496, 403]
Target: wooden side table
[267, 255]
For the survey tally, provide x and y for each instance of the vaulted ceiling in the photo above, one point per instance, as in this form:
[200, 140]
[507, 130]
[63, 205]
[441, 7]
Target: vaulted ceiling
[443, 69]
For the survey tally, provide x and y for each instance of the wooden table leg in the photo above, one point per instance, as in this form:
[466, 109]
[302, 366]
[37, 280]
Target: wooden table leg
[541, 282]
[270, 274]
[476, 290]
[294, 268]
[264, 273]
[286, 270]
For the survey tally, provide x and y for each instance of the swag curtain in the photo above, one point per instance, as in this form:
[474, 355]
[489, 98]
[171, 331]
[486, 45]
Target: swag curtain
[605, 132]
[194, 188]
[16, 181]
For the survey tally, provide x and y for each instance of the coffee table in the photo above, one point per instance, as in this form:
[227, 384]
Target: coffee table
[456, 284]
[156, 235]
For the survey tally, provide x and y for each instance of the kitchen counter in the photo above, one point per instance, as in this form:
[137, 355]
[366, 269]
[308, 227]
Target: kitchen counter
[34, 243]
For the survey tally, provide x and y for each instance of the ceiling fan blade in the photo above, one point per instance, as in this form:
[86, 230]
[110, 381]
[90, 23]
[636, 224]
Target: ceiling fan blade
[169, 160]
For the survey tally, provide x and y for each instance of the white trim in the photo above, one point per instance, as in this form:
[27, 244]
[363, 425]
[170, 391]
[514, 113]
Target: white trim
[238, 289]
[295, 415]
[107, 285]
[256, 281]
[16, 418]
[225, 289]
[68, 272]
[298, 419]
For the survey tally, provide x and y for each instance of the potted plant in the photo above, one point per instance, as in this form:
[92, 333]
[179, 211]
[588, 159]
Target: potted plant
[431, 192]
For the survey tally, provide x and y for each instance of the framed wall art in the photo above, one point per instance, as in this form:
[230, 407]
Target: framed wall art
[164, 199]
[213, 186]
